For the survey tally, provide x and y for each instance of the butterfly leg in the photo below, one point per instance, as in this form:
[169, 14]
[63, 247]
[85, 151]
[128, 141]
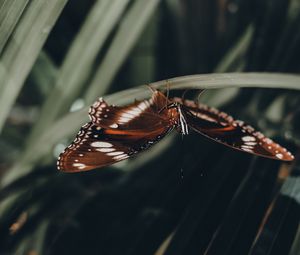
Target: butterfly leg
[183, 124]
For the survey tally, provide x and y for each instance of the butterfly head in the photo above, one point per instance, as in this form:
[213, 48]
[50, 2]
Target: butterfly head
[176, 116]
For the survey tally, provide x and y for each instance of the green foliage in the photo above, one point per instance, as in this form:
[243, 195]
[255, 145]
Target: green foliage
[184, 196]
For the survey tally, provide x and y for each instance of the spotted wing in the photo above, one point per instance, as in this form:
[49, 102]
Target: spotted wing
[139, 115]
[222, 128]
[95, 147]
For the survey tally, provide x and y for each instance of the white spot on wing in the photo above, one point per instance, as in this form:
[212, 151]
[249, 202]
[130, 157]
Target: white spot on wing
[248, 138]
[279, 155]
[246, 149]
[115, 153]
[101, 144]
[132, 113]
[120, 157]
[114, 125]
[135, 112]
[96, 104]
[250, 143]
[79, 165]
[124, 120]
[106, 149]
[204, 116]
[142, 106]
[127, 115]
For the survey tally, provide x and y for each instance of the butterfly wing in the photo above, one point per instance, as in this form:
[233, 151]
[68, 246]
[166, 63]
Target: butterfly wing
[95, 147]
[117, 133]
[138, 115]
[222, 128]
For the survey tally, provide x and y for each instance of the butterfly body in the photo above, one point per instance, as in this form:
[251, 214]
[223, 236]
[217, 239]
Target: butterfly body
[117, 133]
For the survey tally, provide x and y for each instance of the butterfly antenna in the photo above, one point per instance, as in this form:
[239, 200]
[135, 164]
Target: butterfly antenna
[199, 95]
[183, 95]
[151, 88]
[168, 91]
[182, 156]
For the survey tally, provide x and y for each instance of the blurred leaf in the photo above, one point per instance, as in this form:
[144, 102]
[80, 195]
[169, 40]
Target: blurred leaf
[275, 110]
[161, 250]
[78, 63]
[33, 244]
[282, 217]
[125, 39]
[10, 13]
[23, 48]
[235, 57]
[44, 73]
[296, 244]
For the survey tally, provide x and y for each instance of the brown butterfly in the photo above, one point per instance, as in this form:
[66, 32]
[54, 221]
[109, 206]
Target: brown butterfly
[117, 133]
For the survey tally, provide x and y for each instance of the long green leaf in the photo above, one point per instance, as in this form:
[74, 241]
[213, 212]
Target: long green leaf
[44, 73]
[23, 49]
[236, 55]
[10, 12]
[296, 243]
[125, 39]
[71, 122]
[78, 62]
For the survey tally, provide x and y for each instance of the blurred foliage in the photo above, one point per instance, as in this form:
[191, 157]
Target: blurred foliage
[184, 196]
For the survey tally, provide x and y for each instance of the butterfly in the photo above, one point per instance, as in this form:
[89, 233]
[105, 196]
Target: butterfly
[116, 133]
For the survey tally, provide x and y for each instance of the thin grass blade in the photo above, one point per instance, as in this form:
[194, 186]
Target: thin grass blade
[10, 13]
[125, 39]
[23, 49]
[233, 60]
[79, 60]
